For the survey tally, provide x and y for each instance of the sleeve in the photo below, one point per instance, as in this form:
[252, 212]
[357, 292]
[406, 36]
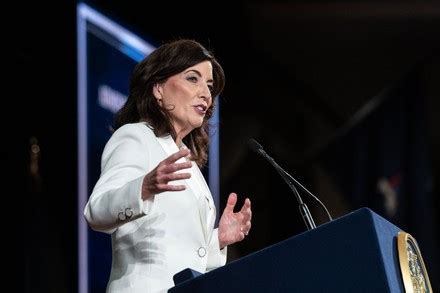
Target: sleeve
[116, 197]
[216, 256]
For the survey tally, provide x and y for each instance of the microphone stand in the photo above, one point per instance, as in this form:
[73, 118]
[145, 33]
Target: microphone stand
[304, 210]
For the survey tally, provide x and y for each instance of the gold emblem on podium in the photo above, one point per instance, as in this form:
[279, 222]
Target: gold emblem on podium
[414, 274]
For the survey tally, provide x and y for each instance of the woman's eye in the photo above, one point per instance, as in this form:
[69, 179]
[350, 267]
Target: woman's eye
[211, 88]
[192, 78]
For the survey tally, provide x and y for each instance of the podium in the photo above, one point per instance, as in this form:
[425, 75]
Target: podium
[354, 253]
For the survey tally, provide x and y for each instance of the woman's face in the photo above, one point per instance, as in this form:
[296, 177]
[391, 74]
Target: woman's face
[187, 96]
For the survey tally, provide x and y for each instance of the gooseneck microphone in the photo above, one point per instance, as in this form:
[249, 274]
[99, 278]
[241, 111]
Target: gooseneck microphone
[307, 217]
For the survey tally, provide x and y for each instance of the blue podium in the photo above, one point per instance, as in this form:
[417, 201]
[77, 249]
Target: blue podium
[354, 253]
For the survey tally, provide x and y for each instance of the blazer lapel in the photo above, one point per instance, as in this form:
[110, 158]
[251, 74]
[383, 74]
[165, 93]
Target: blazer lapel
[170, 148]
[208, 197]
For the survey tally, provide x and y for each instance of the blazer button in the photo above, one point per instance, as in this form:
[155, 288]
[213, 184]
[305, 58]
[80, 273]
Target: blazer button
[128, 213]
[201, 251]
[121, 216]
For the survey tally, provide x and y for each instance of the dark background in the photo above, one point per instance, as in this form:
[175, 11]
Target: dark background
[297, 73]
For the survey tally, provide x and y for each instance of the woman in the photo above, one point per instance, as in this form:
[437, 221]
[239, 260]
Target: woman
[151, 195]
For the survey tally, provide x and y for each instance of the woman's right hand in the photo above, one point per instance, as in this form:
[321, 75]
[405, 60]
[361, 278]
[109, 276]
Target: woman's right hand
[157, 180]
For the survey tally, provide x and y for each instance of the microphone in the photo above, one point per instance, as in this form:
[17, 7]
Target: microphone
[307, 217]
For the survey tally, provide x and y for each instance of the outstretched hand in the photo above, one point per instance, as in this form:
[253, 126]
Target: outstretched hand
[157, 180]
[233, 227]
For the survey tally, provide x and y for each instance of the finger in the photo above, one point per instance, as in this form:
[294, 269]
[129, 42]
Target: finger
[174, 157]
[247, 227]
[173, 176]
[246, 205]
[247, 215]
[232, 200]
[170, 187]
[171, 168]
[246, 209]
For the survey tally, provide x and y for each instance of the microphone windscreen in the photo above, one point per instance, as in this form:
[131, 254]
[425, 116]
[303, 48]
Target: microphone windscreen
[254, 145]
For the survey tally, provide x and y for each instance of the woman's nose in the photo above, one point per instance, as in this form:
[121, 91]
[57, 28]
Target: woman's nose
[205, 92]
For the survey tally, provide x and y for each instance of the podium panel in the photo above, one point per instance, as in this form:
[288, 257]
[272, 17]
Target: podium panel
[354, 253]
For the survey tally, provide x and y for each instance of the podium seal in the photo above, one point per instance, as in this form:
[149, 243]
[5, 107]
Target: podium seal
[414, 274]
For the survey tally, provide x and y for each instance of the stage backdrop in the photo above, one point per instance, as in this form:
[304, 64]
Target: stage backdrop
[383, 162]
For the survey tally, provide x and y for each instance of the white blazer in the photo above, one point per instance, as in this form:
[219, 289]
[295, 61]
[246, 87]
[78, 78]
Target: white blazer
[153, 239]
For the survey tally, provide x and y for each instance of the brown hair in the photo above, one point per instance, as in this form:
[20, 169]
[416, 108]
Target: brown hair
[141, 105]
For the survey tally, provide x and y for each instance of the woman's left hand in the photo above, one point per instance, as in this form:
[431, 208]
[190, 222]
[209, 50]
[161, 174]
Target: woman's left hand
[233, 227]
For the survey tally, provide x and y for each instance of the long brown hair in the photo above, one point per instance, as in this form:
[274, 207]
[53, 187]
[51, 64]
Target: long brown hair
[141, 105]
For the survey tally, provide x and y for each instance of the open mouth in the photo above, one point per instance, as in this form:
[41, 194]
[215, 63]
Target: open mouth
[201, 108]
